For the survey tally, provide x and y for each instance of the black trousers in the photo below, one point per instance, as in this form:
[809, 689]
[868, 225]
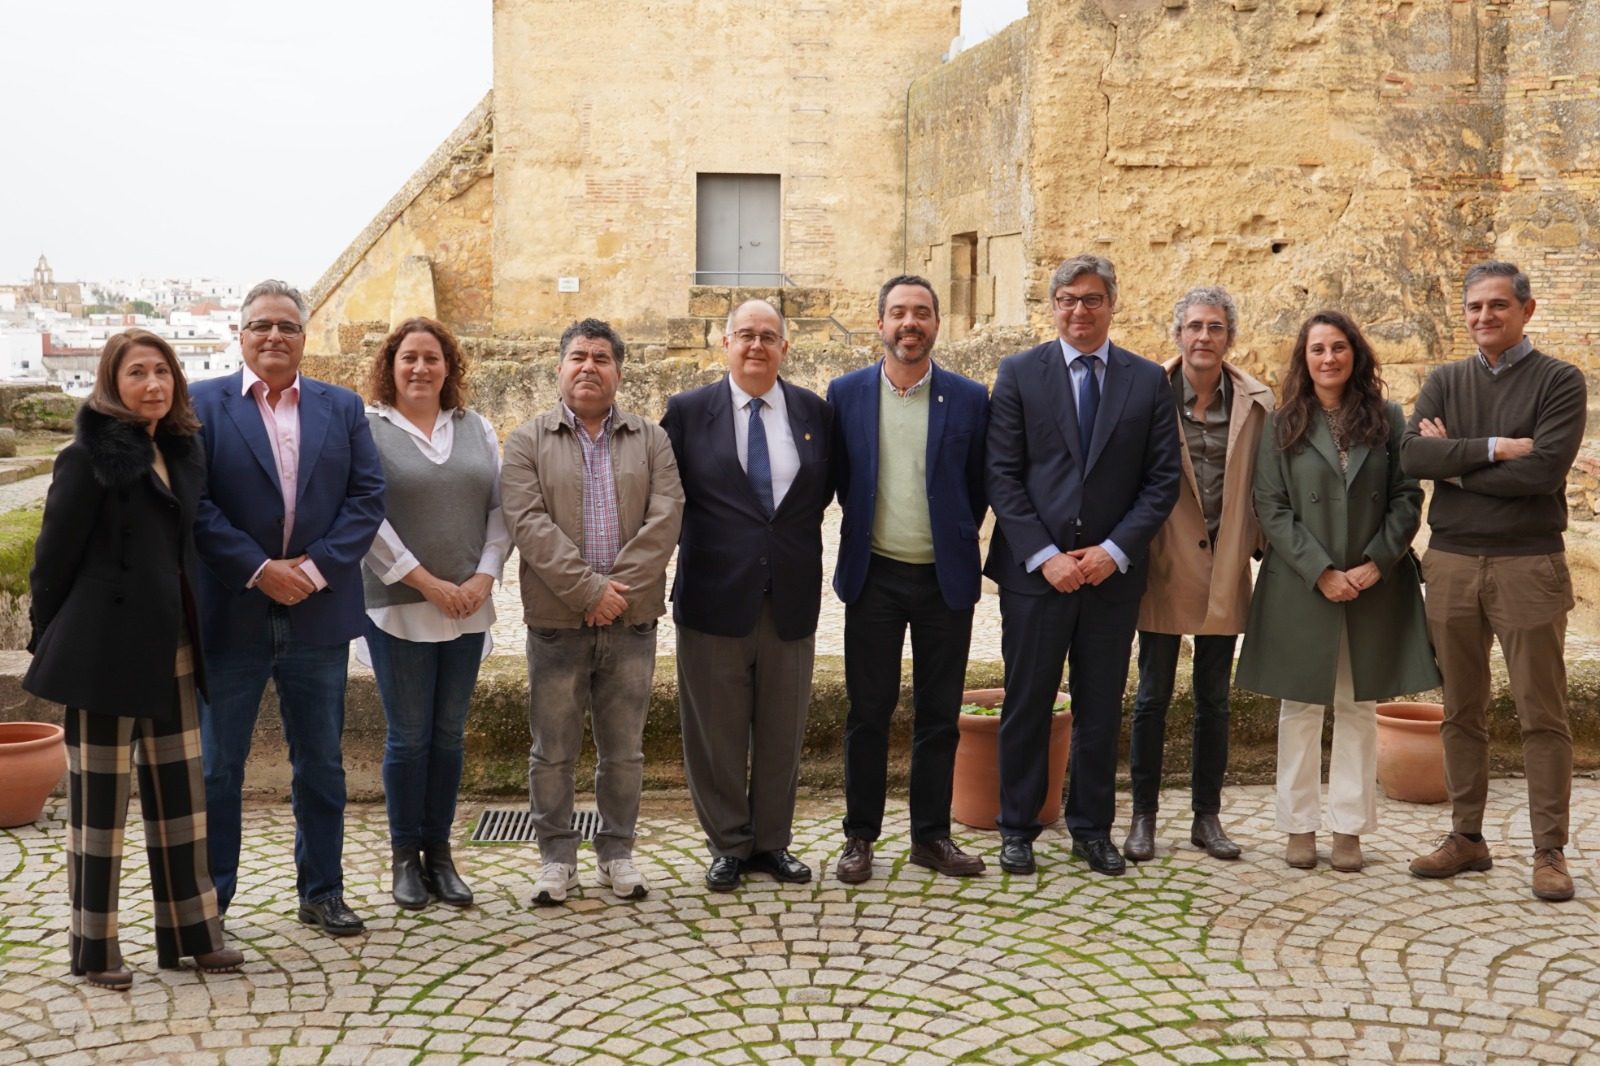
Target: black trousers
[1158, 669]
[1091, 634]
[897, 595]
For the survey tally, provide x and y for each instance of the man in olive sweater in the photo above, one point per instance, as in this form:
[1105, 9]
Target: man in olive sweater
[1498, 432]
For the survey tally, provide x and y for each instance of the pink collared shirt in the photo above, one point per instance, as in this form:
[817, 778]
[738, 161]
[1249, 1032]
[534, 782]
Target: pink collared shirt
[283, 434]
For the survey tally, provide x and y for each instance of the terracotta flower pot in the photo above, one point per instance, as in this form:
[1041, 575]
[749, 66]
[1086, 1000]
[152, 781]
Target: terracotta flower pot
[1410, 752]
[33, 756]
[975, 798]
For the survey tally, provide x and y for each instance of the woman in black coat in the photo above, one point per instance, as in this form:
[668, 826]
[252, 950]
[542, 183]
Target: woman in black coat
[115, 639]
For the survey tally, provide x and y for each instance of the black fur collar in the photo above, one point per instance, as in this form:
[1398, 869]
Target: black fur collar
[119, 451]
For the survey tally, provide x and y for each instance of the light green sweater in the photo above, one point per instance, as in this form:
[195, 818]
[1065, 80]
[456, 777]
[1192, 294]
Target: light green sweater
[900, 526]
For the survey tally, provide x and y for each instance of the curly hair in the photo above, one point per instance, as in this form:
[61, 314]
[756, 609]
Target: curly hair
[380, 382]
[1362, 411]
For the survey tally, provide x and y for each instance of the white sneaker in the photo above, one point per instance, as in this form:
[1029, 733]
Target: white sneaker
[623, 879]
[555, 881]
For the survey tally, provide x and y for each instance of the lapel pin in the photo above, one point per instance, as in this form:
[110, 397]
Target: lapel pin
[941, 399]
[808, 436]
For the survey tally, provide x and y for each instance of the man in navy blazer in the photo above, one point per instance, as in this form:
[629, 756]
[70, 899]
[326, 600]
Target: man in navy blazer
[908, 459]
[293, 500]
[752, 452]
[1083, 469]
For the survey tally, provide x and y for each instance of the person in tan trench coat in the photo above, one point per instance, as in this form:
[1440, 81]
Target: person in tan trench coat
[1337, 613]
[1199, 567]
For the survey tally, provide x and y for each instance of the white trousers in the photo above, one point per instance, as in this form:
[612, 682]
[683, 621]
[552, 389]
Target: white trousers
[1352, 771]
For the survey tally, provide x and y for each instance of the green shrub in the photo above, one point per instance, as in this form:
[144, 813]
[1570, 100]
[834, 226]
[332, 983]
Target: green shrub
[18, 531]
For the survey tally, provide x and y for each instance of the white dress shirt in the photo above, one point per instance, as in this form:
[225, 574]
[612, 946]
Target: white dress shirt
[780, 439]
[390, 560]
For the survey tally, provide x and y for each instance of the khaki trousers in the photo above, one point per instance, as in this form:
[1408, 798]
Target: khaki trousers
[1523, 600]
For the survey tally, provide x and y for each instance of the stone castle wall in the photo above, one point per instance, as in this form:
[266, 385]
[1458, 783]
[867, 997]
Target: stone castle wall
[604, 122]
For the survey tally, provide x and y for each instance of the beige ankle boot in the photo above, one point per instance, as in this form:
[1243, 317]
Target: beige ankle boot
[1346, 853]
[1302, 851]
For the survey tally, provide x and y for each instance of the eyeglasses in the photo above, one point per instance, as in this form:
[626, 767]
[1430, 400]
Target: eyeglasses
[1194, 329]
[748, 337]
[263, 327]
[1068, 302]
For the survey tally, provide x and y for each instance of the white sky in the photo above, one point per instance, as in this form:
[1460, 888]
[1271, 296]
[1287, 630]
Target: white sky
[217, 138]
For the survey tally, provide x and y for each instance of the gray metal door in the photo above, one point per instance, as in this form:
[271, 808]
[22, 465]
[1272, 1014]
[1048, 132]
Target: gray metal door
[736, 230]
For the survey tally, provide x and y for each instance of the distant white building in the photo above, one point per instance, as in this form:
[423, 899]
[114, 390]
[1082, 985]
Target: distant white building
[22, 355]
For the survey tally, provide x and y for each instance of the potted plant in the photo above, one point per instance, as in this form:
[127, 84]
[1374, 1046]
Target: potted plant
[1411, 752]
[975, 796]
[33, 756]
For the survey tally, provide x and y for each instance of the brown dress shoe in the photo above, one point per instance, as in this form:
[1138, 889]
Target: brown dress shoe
[942, 856]
[1207, 833]
[1550, 878]
[1454, 854]
[1140, 845]
[118, 980]
[855, 865]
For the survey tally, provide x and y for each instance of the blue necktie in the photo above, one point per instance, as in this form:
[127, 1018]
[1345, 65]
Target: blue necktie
[758, 461]
[1088, 403]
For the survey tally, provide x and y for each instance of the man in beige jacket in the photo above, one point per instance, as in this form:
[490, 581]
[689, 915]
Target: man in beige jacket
[1199, 568]
[593, 501]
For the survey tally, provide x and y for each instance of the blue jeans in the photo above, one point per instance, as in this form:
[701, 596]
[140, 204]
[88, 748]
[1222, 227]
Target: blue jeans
[310, 681]
[427, 691]
[1158, 670]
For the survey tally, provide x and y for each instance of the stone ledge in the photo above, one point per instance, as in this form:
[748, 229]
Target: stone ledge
[497, 731]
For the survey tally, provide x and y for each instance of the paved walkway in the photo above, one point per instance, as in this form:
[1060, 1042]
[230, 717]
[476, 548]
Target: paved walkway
[1185, 960]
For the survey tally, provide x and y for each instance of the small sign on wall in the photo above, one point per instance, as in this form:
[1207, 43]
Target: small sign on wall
[566, 284]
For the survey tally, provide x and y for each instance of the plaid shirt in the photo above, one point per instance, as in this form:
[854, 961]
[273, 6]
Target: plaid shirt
[602, 533]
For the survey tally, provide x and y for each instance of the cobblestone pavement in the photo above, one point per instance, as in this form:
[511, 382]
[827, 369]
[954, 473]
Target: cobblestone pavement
[1185, 960]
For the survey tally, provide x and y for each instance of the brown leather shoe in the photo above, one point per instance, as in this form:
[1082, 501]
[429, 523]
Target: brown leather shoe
[118, 980]
[855, 865]
[1550, 878]
[942, 856]
[1454, 854]
[1140, 844]
[1207, 833]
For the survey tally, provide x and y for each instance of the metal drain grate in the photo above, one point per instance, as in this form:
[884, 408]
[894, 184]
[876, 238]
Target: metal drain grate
[514, 825]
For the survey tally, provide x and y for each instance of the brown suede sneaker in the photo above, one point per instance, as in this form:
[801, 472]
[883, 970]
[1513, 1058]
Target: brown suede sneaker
[1454, 854]
[1550, 878]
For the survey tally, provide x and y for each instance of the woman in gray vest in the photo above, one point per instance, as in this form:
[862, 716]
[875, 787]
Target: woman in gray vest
[428, 578]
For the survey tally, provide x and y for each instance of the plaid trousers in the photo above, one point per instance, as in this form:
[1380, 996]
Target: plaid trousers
[101, 752]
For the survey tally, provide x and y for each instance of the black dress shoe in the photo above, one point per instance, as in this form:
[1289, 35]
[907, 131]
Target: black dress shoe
[443, 881]
[406, 878]
[1141, 843]
[1102, 855]
[332, 916]
[723, 873]
[1016, 856]
[1208, 834]
[781, 865]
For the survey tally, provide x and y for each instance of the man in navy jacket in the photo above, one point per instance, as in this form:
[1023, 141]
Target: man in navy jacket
[1083, 470]
[294, 496]
[908, 454]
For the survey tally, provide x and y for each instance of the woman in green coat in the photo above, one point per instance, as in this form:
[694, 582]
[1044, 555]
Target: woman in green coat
[1336, 617]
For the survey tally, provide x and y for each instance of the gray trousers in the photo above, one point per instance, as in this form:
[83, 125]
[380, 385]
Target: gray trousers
[604, 672]
[743, 702]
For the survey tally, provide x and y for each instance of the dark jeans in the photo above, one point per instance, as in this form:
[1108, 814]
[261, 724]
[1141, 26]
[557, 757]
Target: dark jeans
[310, 680]
[1158, 667]
[427, 691]
[895, 595]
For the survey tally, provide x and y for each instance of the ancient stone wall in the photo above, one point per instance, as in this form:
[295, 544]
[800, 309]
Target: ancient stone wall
[444, 214]
[604, 122]
[1305, 153]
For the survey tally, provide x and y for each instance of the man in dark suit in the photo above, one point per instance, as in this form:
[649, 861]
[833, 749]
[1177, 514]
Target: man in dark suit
[752, 451]
[908, 454]
[1083, 471]
[293, 498]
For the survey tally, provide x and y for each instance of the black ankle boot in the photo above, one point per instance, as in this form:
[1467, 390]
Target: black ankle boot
[409, 889]
[442, 876]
